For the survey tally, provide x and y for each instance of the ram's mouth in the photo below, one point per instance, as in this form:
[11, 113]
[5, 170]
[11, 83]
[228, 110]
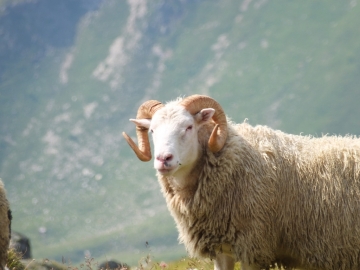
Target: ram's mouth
[169, 170]
[165, 168]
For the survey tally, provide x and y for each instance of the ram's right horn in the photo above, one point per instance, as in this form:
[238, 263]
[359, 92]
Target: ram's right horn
[145, 111]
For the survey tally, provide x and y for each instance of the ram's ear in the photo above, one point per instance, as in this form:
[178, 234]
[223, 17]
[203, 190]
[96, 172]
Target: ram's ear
[145, 123]
[204, 115]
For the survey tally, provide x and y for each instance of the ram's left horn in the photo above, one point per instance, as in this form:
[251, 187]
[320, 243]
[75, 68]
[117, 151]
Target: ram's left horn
[218, 137]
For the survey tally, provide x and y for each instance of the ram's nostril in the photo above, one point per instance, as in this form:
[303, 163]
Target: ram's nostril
[169, 157]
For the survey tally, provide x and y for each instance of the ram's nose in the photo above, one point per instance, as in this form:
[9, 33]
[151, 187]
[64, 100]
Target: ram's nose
[165, 159]
[164, 163]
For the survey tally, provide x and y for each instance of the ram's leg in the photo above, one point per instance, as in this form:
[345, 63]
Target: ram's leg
[224, 262]
[245, 266]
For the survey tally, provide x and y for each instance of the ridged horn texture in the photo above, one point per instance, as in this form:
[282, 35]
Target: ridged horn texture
[195, 104]
[146, 110]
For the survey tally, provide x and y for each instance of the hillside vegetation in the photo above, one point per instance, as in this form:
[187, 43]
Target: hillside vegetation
[73, 72]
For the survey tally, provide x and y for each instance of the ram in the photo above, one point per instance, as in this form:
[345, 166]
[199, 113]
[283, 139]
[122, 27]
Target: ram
[253, 194]
[5, 226]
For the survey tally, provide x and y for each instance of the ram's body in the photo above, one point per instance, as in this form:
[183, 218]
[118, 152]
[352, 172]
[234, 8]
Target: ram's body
[273, 197]
[268, 198]
[5, 223]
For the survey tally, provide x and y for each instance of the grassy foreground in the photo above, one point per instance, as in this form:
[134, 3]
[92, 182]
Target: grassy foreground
[145, 263]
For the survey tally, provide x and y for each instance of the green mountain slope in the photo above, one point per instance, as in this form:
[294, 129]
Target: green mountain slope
[72, 74]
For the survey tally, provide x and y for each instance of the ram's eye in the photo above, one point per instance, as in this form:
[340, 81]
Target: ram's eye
[189, 127]
[151, 131]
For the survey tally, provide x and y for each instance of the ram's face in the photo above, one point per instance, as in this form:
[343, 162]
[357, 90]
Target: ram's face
[174, 134]
[173, 125]
[175, 137]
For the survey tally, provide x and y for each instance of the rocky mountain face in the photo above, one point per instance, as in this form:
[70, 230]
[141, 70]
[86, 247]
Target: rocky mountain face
[73, 72]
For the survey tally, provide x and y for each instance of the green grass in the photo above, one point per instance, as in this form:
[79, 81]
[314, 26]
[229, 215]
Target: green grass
[144, 262]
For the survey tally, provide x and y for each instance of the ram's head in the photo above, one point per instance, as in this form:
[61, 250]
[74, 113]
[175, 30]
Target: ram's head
[174, 129]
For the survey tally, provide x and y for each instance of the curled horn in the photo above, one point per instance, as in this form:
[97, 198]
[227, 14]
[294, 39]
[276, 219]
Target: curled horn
[146, 110]
[196, 103]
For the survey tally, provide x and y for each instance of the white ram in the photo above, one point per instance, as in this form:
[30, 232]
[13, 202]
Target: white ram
[253, 194]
